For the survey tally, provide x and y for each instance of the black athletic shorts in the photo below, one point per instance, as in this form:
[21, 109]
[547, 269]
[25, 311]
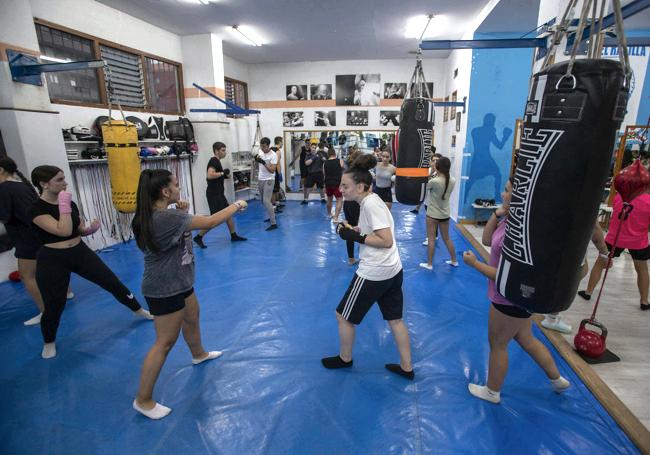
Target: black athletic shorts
[315, 179]
[159, 306]
[439, 220]
[217, 202]
[362, 294]
[276, 185]
[385, 194]
[512, 311]
[637, 255]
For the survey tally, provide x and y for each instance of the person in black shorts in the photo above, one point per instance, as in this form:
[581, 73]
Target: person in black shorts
[217, 200]
[276, 198]
[314, 162]
[379, 277]
[165, 237]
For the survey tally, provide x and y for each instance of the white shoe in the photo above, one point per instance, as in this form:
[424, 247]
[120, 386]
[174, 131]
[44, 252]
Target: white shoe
[69, 295]
[482, 392]
[452, 263]
[34, 321]
[157, 412]
[426, 242]
[557, 325]
[211, 355]
[424, 265]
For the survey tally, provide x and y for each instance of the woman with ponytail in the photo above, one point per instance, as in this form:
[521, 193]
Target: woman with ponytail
[59, 227]
[165, 237]
[439, 189]
[379, 276]
[17, 196]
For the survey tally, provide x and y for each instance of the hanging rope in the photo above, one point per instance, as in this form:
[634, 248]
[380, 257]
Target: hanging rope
[418, 85]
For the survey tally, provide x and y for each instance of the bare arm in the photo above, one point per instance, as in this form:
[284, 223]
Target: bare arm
[62, 227]
[213, 174]
[381, 238]
[470, 259]
[208, 222]
[491, 226]
[598, 239]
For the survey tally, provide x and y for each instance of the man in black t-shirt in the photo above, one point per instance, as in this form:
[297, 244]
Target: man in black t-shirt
[217, 201]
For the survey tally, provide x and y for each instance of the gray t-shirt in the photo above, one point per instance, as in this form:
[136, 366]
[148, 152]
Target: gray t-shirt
[437, 207]
[170, 271]
[383, 176]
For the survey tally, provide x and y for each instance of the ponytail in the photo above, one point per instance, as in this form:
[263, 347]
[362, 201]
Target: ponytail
[150, 185]
[443, 165]
[10, 167]
[43, 174]
[360, 167]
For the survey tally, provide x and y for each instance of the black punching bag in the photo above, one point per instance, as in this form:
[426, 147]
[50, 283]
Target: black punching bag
[566, 148]
[414, 153]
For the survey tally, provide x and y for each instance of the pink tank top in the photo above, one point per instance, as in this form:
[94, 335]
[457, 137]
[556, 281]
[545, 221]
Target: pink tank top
[495, 255]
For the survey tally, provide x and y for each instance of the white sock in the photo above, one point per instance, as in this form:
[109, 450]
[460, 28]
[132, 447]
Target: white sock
[452, 263]
[144, 313]
[560, 384]
[211, 355]
[35, 320]
[484, 393]
[157, 412]
[69, 295]
[49, 350]
[424, 265]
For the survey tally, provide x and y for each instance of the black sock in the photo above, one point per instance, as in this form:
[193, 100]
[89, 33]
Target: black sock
[198, 239]
[334, 363]
[645, 306]
[396, 368]
[271, 227]
[584, 295]
[236, 238]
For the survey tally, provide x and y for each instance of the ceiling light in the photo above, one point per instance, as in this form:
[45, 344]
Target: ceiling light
[248, 35]
[54, 59]
[422, 27]
[198, 2]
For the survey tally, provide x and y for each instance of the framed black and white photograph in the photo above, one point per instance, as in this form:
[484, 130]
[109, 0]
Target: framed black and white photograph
[445, 115]
[453, 141]
[394, 90]
[296, 92]
[458, 122]
[358, 90]
[291, 119]
[357, 118]
[325, 118]
[452, 109]
[320, 91]
[423, 89]
[388, 118]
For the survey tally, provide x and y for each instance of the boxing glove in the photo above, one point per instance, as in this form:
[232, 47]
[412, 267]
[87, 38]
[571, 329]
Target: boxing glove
[65, 202]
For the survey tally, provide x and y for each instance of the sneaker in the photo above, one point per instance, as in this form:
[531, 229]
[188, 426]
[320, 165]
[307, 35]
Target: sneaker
[304, 202]
[558, 325]
[199, 241]
[584, 295]
[645, 306]
[452, 263]
[426, 242]
[424, 265]
[69, 295]
[271, 227]
[415, 211]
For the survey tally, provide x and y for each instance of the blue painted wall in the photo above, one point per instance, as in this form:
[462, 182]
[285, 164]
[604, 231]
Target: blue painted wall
[499, 88]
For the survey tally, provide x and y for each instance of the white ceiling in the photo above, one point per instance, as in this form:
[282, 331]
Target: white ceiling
[311, 30]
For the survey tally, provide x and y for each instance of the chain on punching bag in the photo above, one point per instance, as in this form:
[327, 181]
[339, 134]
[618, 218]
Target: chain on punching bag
[573, 111]
[415, 139]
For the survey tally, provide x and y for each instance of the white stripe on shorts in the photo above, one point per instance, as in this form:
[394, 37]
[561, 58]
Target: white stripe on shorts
[352, 298]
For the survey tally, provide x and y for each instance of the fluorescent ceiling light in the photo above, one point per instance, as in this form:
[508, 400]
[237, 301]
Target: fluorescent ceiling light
[248, 35]
[54, 59]
[421, 26]
[198, 2]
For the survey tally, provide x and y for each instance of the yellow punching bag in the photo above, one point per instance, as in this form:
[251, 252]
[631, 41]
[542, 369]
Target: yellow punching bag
[121, 143]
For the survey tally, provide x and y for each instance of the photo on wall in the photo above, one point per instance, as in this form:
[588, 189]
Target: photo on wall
[291, 119]
[357, 118]
[296, 92]
[320, 91]
[394, 90]
[358, 90]
[423, 93]
[452, 109]
[387, 118]
[325, 118]
[446, 110]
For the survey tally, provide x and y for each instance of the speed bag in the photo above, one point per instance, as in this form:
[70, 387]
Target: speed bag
[567, 140]
[121, 143]
[415, 137]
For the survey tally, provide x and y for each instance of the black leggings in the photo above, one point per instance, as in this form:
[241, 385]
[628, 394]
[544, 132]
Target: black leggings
[53, 269]
[351, 210]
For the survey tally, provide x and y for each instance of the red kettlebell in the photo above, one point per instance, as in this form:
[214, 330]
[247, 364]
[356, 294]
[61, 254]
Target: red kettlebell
[589, 342]
[14, 276]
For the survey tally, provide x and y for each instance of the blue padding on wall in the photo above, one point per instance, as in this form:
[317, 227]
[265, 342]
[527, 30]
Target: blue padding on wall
[269, 305]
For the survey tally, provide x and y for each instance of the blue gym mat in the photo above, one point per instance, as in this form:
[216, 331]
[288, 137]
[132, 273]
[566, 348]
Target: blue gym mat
[269, 304]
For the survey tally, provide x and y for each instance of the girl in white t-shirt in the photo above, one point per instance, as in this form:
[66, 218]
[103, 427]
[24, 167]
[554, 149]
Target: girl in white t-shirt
[379, 277]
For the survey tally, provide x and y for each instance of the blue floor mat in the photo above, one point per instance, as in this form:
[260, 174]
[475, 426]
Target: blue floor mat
[269, 303]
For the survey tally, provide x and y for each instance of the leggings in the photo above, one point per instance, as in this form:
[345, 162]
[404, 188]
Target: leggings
[351, 210]
[53, 269]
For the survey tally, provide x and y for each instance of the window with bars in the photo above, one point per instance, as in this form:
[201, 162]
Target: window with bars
[140, 82]
[236, 92]
[79, 86]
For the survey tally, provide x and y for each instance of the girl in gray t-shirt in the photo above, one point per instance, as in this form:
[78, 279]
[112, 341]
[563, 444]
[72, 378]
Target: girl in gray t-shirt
[165, 237]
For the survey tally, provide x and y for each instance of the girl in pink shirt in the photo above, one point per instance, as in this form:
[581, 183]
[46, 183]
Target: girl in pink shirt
[634, 238]
[506, 321]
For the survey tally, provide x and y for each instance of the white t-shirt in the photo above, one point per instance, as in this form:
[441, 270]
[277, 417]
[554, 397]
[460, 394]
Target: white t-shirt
[270, 158]
[377, 264]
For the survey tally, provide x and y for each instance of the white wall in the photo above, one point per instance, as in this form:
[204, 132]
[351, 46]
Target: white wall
[235, 69]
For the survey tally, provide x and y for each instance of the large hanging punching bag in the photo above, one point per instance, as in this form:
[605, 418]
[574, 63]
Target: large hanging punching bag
[571, 119]
[121, 142]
